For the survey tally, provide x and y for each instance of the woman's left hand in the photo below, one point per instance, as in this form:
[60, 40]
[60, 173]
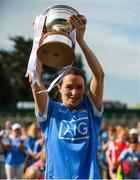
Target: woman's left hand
[79, 23]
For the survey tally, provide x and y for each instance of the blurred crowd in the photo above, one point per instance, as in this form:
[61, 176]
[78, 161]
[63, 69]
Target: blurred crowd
[22, 151]
[119, 152]
[23, 154]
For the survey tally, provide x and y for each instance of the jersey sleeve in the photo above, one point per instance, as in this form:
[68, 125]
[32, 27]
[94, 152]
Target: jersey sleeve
[94, 114]
[97, 113]
[44, 119]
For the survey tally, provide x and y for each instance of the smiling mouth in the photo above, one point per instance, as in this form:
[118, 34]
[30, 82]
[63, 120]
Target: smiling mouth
[73, 99]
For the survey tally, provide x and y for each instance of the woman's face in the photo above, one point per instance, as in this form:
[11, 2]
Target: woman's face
[72, 90]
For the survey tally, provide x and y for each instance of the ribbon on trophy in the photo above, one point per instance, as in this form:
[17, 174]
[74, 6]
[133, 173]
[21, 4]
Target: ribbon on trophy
[56, 81]
[37, 33]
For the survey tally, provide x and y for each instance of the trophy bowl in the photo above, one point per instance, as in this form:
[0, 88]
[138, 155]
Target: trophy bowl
[57, 47]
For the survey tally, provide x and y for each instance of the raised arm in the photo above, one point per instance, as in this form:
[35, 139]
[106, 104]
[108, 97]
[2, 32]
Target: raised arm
[40, 99]
[96, 85]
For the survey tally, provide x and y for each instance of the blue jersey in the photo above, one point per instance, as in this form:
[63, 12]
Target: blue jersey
[71, 140]
[128, 154]
[15, 156]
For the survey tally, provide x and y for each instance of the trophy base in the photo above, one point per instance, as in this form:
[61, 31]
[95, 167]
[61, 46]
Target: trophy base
[56, 51]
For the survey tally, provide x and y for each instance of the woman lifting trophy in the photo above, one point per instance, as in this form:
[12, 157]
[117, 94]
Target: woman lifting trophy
[71, 125]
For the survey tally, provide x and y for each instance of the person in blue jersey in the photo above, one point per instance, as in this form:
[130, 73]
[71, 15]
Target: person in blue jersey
[130, 160]
[15, 156]
[71, 126]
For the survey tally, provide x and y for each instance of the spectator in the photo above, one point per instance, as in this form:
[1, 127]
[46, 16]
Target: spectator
[115, 148]
[39, 145]
[4, 147]
[24, 133]
[130, 159]
[8, 126]
[6, 132]
[103, 139]
[30, 143]
[36, 170]
[133, 132]
[111, 130]
[15, 156]
[2, 158]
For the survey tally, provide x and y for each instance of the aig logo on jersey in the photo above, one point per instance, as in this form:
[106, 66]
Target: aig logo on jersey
[74, 129]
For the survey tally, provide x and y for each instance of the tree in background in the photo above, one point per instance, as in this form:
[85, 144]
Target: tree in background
[12, 70]
[13, 65]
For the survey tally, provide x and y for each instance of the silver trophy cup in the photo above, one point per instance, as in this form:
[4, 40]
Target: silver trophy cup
[57, 46]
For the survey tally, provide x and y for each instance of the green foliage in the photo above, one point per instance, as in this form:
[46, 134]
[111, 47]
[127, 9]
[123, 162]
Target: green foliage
[13, 65]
